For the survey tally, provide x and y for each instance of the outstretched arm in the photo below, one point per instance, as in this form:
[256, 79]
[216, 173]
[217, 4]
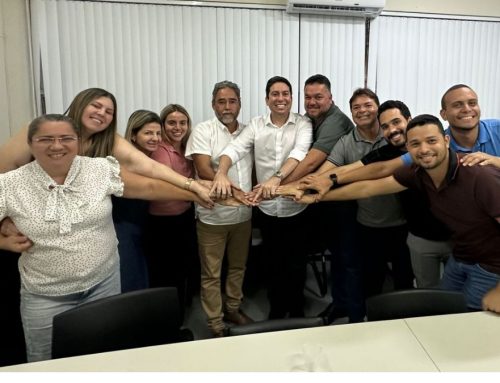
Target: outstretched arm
[151, 189]
[358, 190]
[137, 162]
[372, 171]
[308, 165]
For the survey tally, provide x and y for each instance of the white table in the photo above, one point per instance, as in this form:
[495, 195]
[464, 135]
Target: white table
[462, 342]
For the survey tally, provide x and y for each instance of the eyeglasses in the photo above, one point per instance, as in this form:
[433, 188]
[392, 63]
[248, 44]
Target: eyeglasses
[64, 140]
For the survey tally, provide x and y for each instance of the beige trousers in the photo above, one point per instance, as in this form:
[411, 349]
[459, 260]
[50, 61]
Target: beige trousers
[213, 242]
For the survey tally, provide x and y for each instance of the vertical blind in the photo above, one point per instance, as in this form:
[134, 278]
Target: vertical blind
[335, 47]
[416, 60]
[151, 55]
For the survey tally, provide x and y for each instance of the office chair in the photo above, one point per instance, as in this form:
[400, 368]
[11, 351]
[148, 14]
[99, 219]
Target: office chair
[414, 303]
[135, 319]
[275, 325]
[321, 276]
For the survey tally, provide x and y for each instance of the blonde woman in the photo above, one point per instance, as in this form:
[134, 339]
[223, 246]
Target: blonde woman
[130, 215]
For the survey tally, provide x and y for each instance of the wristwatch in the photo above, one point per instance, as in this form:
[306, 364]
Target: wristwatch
[278, 174]
[335, 182]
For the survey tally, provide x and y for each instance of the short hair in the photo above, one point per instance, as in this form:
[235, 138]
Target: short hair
[364, 92]
[319, 79]
[137, 120]
[425, 119]
[394, 104]
[102, 143]
[274, 80]
[171, 108]
[454, 87]
[226, 84]
[37, 122]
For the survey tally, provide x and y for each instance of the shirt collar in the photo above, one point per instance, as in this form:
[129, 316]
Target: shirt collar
[292, 119]
[451, 173]
[482, 138]
[317, 122]
[223, 127]
[359, 138]
[62, 205]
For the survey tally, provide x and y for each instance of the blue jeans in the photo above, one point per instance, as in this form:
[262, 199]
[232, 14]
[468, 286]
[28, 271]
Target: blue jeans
[38, 311]
[471, 279]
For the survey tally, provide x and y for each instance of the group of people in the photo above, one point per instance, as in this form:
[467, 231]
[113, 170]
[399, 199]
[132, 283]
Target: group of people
[418, 197]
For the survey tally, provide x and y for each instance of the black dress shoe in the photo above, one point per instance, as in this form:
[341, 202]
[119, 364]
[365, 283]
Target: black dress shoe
[332, 313]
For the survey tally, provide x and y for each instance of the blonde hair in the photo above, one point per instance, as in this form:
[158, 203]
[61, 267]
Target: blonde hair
[171, 108]
[137, 120]
[101, 143]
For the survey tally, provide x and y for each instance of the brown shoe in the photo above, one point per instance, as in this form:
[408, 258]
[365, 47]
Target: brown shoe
[237, 317]
[219, 333]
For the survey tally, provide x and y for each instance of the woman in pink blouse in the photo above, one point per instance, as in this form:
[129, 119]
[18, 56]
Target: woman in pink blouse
[172, 250]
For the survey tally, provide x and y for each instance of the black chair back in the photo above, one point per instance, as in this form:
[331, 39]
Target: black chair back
[136, 319]
[275, 325]
[414, 303]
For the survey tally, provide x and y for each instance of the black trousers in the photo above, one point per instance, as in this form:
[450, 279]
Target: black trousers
[12, 346]
[284, 246]
[380, 246]
[172, 253]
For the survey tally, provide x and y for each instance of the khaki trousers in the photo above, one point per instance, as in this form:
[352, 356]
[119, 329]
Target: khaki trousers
[213, 242]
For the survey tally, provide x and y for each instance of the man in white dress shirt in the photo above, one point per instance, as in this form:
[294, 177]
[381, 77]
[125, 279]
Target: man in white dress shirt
[223, 229]
[279, 140]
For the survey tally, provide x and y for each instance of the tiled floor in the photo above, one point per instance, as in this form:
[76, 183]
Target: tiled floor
[255, 302]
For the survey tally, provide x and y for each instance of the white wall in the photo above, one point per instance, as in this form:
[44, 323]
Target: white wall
[16, 97]
[16, 88]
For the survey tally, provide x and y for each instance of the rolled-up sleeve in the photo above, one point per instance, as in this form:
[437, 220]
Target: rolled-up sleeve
[303, 139]
[242, 145]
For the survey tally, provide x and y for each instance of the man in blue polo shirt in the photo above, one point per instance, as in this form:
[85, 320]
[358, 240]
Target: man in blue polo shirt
[469, 134]
[464, 198]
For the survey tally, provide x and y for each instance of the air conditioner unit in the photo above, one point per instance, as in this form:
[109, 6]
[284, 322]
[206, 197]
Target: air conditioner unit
[360, 8]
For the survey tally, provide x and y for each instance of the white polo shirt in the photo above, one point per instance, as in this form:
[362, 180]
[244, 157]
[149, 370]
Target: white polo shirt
[210, 138]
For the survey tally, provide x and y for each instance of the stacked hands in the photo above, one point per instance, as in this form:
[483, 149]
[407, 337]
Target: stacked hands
[307, 190]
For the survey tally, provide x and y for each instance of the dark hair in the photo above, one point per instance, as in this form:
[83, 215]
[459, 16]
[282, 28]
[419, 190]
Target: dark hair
[364, 92]
[226, 84]
[319, 79]
[425, 119]
[37, 122]
[454, 87]
[102, 143]
[274, 80]
[394, 104]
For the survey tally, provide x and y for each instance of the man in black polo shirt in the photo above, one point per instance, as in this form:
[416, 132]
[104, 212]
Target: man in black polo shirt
[428, 238]
[464, 198]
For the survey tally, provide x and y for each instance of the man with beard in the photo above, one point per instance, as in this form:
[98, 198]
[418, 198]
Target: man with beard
[223, 229]
[381, 230]
[279, 140]
[464, 198]
[428, 239]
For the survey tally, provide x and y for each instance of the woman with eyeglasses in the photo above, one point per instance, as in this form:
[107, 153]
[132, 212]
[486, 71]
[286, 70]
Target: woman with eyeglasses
[62, 202]
[94, 111]
[130, 215]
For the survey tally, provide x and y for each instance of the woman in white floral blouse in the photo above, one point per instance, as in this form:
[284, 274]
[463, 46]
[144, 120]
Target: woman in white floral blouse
[62, 203]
